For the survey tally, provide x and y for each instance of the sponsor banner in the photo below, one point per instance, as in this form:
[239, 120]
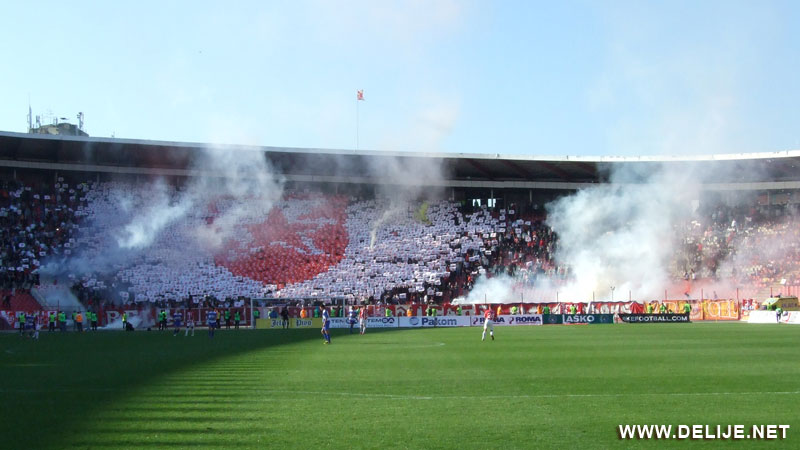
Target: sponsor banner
[381, 322]
[314, 322]
[508, 320]
[294, 322]
[477, 321]
[342, 322]
[571, 319]
[372, 322]
[432, 322]
[270, 323]
[523, 319]
[792, 317]
[654, 318]
[762, 316]
[626, 307]
[552, 319]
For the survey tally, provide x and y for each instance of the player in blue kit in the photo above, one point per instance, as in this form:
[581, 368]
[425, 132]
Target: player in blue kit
[30, 325]
[212, 322]
[326, 325]
[177, 318]
[353, 315]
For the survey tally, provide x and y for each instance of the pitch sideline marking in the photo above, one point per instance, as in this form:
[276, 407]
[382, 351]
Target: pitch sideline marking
[421, 345]
[445, 397]
[27, 365]
[499, 397]
[441, 397]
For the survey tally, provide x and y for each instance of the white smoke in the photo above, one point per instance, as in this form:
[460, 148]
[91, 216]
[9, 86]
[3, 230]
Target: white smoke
[394, 209]
[499, 289]
[621, 234]
[246, 180]
[636, 235]
[240, 181]
[162, 210]
[185, 225]
[404, 182]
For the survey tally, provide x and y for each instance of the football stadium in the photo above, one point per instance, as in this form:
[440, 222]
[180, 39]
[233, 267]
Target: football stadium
[440, 224]
[163, 294]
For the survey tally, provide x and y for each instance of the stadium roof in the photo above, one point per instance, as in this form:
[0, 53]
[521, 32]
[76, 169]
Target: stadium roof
[776, 170]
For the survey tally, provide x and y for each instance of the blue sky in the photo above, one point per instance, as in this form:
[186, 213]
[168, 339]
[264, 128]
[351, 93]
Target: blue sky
[511, 77]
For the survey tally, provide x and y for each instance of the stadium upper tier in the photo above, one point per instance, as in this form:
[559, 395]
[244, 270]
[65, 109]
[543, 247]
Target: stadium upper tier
[776, 170]
[128, 241]
[143, 221]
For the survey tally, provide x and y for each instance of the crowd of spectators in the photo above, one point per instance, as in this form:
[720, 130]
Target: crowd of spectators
[751, 245]
[304, 247]
[317, 246]
[37, 221]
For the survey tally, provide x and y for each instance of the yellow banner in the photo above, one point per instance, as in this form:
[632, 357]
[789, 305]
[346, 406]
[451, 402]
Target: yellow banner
[720, 310]
[676, 306]
[268, 323]
[315, 322]
[706, 310]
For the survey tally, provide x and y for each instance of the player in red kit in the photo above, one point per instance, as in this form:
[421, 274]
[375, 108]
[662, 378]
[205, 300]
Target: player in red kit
[362, 320]
[488, 323]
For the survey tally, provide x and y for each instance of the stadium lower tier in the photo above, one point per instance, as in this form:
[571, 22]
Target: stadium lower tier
[432, 315]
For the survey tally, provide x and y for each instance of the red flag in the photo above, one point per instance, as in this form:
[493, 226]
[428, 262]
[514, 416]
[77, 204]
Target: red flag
[360, 95]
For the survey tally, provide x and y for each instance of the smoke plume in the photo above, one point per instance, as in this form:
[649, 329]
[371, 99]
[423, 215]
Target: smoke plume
[621, 235]
[404, 182]
[158, 224]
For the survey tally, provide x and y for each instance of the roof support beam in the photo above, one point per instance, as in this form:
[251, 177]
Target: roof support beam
[517, 168]
[561, 173]
[590, 169]
[480, 168]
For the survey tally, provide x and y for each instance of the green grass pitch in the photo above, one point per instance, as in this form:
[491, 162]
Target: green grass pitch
[534, 387]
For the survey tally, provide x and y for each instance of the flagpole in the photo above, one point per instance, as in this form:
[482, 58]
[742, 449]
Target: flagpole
[359, 98]
[357, 119]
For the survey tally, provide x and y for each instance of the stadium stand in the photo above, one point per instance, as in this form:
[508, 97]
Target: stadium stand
[36, 222]
[18, 300]
[311, 245]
